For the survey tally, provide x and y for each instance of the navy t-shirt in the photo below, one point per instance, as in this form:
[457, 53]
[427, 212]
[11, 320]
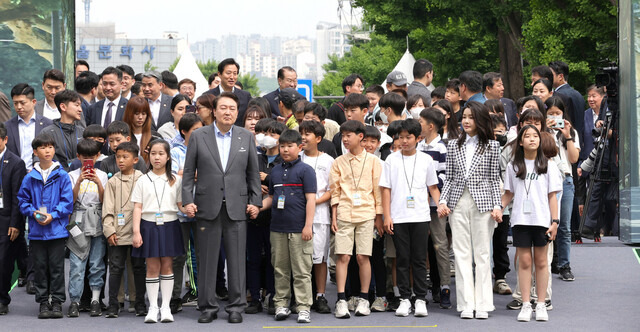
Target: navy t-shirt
[291, 180]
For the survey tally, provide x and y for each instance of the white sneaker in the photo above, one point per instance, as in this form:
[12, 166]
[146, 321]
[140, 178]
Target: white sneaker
[282, 313]
[525, 312]
[362, 308]
[466, 314]
[152, 315]
[420, 309]
[379, 305]
[482, 314]
[404, 309]
[165, 315]
[541, 312]
[353, 302]
[304, 316]
[342, 309]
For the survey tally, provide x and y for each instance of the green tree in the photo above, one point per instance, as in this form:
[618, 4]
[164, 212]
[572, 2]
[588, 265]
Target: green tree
[208, 68]
[250, 84]
[148, 66]
[174, 64]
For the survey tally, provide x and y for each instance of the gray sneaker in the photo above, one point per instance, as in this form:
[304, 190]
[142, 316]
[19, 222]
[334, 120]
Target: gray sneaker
[379, 305]
[304, 316]
[565, 273]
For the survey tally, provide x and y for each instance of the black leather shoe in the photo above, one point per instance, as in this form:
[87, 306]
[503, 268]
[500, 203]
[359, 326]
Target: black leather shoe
[31, 287]
[45, 311]
[4, 309]
[235, 317]
[253, 308]
[207, 317]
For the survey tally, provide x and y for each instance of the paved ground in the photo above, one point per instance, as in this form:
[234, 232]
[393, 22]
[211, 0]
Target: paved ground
[604, 296]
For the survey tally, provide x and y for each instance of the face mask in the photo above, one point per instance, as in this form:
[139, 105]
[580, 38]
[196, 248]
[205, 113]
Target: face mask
[269, 142]
[502, 139]
[383, 116]
[260, 139]
[415, 112]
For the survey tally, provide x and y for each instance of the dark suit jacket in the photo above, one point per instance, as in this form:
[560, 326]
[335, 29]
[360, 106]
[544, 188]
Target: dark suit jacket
[588, 143]
[510, 111]
[165, 112]
[13, 171]
[576, 110]
[94, 114]
[243, 101]
[272, 97]
[13, 132]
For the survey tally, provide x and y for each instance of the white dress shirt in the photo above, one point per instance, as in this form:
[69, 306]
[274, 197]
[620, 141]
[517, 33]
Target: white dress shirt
[49, 112]
[27, 132]
[224, 145]
[154, 105]
[114, 109]
[470, 146]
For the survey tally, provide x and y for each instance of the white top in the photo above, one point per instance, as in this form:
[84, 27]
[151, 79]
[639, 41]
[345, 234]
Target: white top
[114, 109]
[139, 140]
[397, 173]
[145, 193]
[168, 131]
[49, 112]
[470, 146]
[563, 154]
[322, 166]
[27, 134]
[539, 187]
[88, 193]
[154, 105]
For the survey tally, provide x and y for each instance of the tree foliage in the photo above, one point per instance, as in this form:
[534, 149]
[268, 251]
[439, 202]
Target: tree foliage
[208, 68]
[249, 84]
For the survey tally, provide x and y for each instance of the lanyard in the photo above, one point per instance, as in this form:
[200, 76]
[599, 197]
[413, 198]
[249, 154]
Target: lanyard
[357, 184]
[528, 188]
[64, 141]
[2, 166]
[410, 185]
[130, 192]
[154, 189]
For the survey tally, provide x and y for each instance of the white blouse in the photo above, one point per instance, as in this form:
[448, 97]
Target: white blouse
[152, 190]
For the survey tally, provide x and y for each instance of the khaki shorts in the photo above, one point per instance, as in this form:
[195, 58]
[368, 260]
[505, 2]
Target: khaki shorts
[360, 232]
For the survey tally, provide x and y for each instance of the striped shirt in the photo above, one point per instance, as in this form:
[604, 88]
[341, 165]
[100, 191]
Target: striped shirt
[437, 149]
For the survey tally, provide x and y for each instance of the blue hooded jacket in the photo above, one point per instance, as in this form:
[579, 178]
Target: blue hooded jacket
[56, 195]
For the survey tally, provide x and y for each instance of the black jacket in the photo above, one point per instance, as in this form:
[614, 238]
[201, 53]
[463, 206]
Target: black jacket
[13, 171]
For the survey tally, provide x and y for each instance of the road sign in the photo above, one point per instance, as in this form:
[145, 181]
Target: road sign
[305, 88]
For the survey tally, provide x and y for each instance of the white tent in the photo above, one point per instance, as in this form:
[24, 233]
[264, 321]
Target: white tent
[405, 65]
[188, 68]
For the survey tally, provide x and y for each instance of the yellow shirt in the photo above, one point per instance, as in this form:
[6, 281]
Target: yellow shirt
[356, 175]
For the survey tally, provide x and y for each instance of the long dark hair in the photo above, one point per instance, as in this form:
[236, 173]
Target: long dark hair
[519, 165]
[452, 124]
[137, 105]
[555, 101]
[484, 126]
[170, 177]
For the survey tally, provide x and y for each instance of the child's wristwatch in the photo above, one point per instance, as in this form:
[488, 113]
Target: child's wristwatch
[556, 221]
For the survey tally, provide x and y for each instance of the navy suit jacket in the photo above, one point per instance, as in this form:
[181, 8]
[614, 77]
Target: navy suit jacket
[272, 97]
[588, 144]
[165, 112]
[576, 110]
[510, 111]
[13, 132]
[94, 114]
[243, 101]
[13, 171]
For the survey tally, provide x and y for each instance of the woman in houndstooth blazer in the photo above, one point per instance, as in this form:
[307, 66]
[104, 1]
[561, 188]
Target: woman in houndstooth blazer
[471, 195]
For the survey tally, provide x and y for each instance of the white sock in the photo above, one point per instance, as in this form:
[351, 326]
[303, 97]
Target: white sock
[95, 295]
[396, 291]
[166, 288]
[444, 287]
[319, 294]
[152, 291]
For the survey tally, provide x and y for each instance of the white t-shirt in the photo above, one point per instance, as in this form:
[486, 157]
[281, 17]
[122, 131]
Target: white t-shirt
[563, 154]
[322, 166]
[398, 172]
[144, 192]
[539, 186]
[88, 193]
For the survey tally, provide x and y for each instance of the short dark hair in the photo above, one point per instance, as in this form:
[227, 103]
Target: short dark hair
[118, 127]
[112, 70]
[88, 147]
[212, 77]
[94, 130]
[317, 110]
[356, 100]
[351, 80]
[239, 84]
[186, 81]
[314, 127]
[414, 99]
[421, 67]
[227, 62]
[81, 63]
[495, 105]
[276, 127]
[438, 92]
[170, 80]
[560, 67]
[548, 84]
[290, 136]
[377, 89]
[64, 97]
[188, 121]
[434, 116]
[127, 69]
[298, 106]
[178, 98]
[352, 126]
[497, 120]
[86, 81]
[372, 132]
[53, 74]
[393, 100]
[3, 131]
[135, 88]
[130, 147]
[472, 80]
[225, 95]
[394, 129]
[23, 89]
[453, 84]
[43, 139]
[263, 125]
[411, 126]
[281, 71]
[543, 71]
[489, 79]
[138, 77]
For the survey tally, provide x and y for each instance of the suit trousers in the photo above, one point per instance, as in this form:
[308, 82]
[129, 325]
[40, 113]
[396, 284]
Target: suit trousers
[178, 261]
[438, 228]
[471, 233]
[8, 250]
[500, 249]
[210, 234]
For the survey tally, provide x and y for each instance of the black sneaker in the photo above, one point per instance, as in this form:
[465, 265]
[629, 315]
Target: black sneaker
[113, 311]
[393, 303]
[95, 309]
[73, 310]
[565, 273]
[31, 287]
[175, 305]
[189, 300]
[253, 308]
[515, 304]
[56, 310]
[222, 293]
[445, 298]
[45, 311]
[435, 295]
[84, 306]
[322, 306]
[141, 309]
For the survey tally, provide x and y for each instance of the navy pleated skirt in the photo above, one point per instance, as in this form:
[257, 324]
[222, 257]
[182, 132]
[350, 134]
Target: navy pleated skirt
[160, 241]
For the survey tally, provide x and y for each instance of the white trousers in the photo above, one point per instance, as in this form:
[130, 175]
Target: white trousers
[471, 233]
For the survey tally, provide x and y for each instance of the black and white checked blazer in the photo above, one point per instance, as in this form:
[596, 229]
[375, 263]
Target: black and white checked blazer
[484, 179]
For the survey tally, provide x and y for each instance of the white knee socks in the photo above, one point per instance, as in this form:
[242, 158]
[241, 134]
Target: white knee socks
[152, 291]
[166, 289]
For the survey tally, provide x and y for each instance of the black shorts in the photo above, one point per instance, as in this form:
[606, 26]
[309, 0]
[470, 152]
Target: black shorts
[529, 236]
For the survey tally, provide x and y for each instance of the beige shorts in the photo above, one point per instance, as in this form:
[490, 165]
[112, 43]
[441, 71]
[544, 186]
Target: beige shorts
[360, 232]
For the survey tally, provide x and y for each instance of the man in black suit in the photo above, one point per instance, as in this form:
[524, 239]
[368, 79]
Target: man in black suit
[87, 87]
[353, 83]
[228, 70]
[287, 78]
[493, 88]
[562, 87]
[12, 171]
[112, 107]
[159, 103]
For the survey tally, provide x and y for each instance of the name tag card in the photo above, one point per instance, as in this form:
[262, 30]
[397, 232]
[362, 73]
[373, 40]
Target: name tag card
[121, 221]
[357, 200]
[281, 202]
[411, 202]
[159, 219]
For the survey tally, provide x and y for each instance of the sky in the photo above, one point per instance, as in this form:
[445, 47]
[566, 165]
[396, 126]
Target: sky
[202, 19]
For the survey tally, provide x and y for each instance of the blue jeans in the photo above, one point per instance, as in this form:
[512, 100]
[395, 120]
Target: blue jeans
[563, 239]
[97, 269]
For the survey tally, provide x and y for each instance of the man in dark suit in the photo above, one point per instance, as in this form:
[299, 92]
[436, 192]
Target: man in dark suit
[12, 171]
[87, 87]
[226, 160]
[228, 70]
[493, 88]
[562, 87]
[112, 107]
[159, 103]
[53, 81]
[353, 83]
[287, 78]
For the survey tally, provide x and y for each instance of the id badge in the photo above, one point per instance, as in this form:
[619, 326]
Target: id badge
[159, 219]
[120, 219]
[75, 231]
[79, 217]
[411, 202]
[1, 200]
[527, 207]
[281, 202]
[357, 201]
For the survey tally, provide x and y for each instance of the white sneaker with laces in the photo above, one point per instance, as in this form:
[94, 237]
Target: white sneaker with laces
[282, 313]
[342, 309]
[152, 315]
[421, 309]
[362, 309]
[541, 312]
[165, 315]
[404, 309]
[525, 312]
[304, 316]
[466, 314]
[482, 314]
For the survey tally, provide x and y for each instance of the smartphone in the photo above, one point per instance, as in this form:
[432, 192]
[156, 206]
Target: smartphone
[87, 165]
[190, 109]
[548, 235]
[559, 122]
